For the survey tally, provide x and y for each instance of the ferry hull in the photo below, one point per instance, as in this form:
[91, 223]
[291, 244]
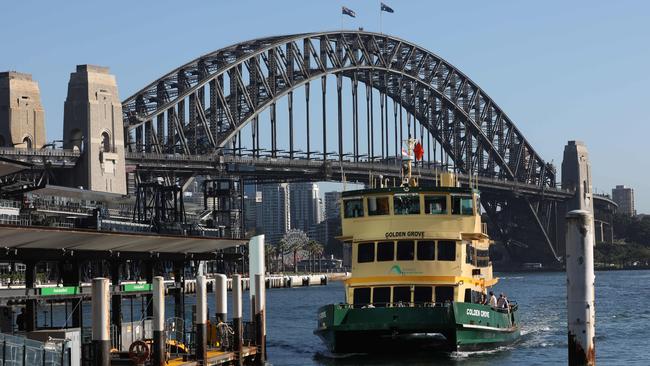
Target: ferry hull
[456, 327]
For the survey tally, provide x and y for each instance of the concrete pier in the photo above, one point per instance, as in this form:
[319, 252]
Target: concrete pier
[201, 319]
[101, 338]
[158, 325]
[581, 316]
[237, 318]
[221, 297]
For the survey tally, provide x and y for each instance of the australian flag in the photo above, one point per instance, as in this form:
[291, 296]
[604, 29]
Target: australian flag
[386, 8]
[348, 11]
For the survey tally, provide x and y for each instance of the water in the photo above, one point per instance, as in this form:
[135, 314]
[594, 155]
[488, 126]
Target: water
[622, 324]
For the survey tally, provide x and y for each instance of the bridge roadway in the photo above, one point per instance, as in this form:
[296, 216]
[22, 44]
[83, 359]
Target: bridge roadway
[272, 169]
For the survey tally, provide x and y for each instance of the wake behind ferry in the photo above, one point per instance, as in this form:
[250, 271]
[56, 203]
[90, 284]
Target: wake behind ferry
[420, 273]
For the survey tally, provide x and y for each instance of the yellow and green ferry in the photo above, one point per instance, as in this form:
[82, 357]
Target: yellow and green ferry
[420, 273]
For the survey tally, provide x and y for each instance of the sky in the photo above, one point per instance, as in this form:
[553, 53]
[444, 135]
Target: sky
[561, 70]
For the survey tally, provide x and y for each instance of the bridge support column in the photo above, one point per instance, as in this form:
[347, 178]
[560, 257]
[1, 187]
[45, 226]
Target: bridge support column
[576, 176]
[93, 124]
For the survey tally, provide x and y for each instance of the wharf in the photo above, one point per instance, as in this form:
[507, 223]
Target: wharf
[216, 358]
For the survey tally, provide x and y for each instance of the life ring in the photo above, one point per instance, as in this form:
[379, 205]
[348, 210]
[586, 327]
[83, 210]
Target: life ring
[139, 352]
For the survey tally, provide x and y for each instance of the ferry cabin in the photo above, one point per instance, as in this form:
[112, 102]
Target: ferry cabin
[414, 246]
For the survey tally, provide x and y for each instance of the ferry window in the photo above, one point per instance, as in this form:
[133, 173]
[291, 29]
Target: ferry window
[402, 293]
[353, 208]
[461, 205]
[468, 295]
[405, 250]
[381, 296]
[482, 258]
[366, 252]
[444, 293]
[446, 250]
[435, 205]
[426, 250]
[385, 251]
[378, 206]
[361, 297]
[422, 294]
[406, 204]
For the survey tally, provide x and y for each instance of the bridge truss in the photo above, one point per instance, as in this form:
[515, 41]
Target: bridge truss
[234, 112]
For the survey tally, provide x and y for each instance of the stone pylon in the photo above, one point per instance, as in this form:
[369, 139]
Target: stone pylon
[93, 125]
[22, 119]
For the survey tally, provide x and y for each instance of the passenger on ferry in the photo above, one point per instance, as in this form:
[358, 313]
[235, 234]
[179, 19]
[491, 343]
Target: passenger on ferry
[506, 304]
[501, 302]
[493, 300]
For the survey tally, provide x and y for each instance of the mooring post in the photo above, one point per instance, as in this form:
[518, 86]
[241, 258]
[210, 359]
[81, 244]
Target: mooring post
[581, 316]
[260, 319]
[101, 338]
[237, 318]
[221, 299]
[158, 326]
[201, 319]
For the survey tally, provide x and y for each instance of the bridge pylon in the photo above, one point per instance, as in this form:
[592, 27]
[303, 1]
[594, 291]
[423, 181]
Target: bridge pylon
[22, 119]
[93, 125]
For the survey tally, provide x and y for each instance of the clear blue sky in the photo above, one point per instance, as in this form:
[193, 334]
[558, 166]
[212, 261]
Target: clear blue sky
[562, 70]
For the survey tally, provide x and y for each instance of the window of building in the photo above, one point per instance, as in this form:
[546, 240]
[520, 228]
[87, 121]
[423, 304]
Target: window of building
[385, 251]
[470, 254]
[444, 293]
[461, 205]
[106, 142]
[446, 250]
[361, 297]
[435, 205]
[366, 252]
[422, 294]
[381, 296]
[28, 142]
[405, 250]
[378, 206]
[402, 293]
[353, 208]
[406, 204]
[426, 250]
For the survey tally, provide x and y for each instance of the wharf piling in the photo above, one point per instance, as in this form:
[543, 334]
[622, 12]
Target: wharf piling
[158, 326]
[260, 319]
[221, 301]
[101, 339]
[237, 318]
[581, 316]
[201, 319]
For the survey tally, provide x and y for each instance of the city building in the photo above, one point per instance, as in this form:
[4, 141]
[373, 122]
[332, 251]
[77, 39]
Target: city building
[305, 206]
[624, 198]
[274, 212]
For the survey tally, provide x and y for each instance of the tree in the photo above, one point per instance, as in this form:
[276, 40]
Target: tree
[295, 240]
[315, 252]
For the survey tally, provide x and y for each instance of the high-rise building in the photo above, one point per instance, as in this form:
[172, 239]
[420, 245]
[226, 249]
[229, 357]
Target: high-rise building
[305, 206]
[252, 202]
[624, 198]
[274, 214]
[332, 223]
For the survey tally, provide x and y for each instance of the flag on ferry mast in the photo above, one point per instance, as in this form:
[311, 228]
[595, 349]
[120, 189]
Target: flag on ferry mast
[419, 151]
[386, 8]
[348, 11]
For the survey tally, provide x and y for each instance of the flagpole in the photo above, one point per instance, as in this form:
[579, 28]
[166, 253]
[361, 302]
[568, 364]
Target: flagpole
[380, 19]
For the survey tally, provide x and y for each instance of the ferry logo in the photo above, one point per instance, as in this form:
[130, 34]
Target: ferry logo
[396, 269]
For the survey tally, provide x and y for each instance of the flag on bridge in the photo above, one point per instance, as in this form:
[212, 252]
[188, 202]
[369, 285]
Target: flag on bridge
[419, 151]
[348, 11]
[386, 8]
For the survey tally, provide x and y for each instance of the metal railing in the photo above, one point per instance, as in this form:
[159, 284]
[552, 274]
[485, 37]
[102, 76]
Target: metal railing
[18, 351]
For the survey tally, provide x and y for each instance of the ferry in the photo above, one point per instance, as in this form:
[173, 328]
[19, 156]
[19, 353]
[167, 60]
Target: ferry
[420, 273]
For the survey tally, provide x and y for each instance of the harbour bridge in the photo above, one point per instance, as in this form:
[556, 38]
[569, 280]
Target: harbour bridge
[325, 106]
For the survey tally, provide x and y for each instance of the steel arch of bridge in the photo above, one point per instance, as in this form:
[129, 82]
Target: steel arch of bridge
[173, 116]
[474, 131]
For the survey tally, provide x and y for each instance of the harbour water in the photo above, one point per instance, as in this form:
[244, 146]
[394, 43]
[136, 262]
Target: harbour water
[622, 323]
[622, 327]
